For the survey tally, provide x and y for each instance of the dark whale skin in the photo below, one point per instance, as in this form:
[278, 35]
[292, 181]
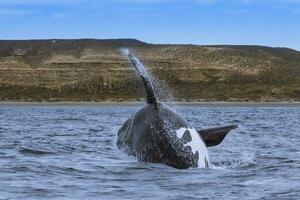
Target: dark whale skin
[150, 135]
[157, 134]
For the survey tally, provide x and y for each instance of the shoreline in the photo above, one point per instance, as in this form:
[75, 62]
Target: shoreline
[132, 103]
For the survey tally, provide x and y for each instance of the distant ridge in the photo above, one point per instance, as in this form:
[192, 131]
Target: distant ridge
[120, 42]
[95, 70]
[129, 41]
[7, 46]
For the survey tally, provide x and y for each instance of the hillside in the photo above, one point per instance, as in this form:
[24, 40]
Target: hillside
[95, 70]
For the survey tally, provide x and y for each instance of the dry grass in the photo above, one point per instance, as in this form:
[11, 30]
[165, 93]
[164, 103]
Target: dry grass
[93, 70]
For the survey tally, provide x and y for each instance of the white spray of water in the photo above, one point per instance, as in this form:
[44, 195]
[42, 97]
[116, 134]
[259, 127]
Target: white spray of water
[140, 67]
[162, 92]
[124, 51]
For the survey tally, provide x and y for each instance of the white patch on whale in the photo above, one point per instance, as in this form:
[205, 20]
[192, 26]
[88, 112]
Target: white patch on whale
[196, 144]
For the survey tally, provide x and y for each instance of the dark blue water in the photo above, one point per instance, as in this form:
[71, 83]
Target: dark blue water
[69, 152]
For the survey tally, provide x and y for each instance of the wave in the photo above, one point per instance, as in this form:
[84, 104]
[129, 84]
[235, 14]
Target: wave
[246, 161]
[30, 151]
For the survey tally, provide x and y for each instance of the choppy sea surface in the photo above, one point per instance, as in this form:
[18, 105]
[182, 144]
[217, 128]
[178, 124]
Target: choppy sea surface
[70, 152]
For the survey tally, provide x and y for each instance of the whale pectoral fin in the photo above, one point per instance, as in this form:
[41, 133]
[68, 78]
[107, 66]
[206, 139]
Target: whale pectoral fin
[215, 136]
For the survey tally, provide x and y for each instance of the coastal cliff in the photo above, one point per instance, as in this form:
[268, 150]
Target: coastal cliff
[95, 70]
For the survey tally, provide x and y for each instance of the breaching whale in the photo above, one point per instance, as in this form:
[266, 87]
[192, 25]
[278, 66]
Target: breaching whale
[157, 134]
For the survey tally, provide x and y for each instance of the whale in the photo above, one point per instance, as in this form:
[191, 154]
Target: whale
[155, 133]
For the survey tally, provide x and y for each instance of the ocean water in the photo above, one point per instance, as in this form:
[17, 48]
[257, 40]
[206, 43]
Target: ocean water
[70, 152]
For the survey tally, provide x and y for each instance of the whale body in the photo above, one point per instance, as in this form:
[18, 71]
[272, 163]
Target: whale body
[157, 134]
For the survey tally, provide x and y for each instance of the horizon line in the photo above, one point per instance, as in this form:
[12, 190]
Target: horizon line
[150, 43]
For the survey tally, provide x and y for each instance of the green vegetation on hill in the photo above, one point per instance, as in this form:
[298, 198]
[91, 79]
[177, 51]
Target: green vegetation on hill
[95, 70]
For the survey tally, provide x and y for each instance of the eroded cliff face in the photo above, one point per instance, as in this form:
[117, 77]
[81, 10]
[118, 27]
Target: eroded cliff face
[95, 70]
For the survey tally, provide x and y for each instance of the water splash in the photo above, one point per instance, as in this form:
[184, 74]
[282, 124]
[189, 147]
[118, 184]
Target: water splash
[161, 90]
[246, 160]
[124, 51]
[138, 65]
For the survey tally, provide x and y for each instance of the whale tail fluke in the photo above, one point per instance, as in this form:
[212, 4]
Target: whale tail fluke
[150, 95]
[215, 136]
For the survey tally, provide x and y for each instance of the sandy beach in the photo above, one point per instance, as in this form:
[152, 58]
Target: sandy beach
[105, 103]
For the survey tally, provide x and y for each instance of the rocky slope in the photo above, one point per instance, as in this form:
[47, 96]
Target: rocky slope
[95, 70]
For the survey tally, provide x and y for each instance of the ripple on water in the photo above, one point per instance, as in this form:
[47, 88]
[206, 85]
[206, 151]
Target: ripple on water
[35, 152]
[69, 152]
